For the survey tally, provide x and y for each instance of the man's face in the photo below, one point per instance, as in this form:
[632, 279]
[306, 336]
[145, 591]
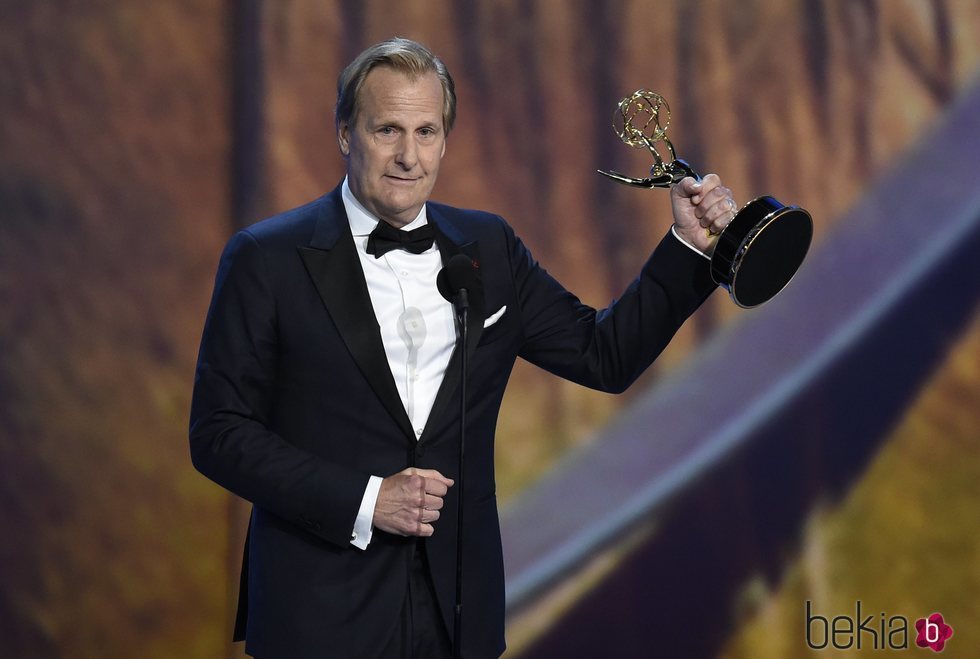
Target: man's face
[394, 143]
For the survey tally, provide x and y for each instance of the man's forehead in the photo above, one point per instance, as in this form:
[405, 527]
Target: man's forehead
[385, 78]
[389, 90]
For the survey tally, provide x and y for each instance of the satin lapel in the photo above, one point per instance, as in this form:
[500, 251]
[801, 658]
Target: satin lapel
[450, 242]
[332, 263]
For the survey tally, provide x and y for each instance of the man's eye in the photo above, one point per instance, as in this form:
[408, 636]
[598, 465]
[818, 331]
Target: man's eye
[386, 130]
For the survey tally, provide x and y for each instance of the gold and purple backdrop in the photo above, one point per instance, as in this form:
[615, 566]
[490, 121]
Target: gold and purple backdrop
[136, 136]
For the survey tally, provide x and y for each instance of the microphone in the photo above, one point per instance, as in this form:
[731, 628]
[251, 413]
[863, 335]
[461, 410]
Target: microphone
[457, 279]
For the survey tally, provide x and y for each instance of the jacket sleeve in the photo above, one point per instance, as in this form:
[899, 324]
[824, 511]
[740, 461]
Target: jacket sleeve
[607, 349]
[232, 404]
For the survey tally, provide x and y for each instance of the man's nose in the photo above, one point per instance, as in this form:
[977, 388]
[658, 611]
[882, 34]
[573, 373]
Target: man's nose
[407, 154]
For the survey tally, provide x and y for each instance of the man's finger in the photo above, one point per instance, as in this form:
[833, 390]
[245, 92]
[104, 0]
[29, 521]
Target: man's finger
[434, 487]
[431, 475]
[433, 502]
[427, 516]
[710, 181]
[689, 187]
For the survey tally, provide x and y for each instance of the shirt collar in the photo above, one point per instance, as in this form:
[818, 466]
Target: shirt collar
[362, 221]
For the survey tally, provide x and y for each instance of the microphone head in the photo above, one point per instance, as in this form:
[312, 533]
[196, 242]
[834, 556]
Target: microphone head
[460, 273]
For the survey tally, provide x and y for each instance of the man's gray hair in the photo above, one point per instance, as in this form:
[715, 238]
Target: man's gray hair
[403, 55]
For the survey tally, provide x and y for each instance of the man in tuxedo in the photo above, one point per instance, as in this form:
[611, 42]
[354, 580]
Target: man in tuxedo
[327, 386]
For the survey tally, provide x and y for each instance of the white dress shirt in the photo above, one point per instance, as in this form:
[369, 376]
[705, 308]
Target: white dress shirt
[417, 329]
[673, 230]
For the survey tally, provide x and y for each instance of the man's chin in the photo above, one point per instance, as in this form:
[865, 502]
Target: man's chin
[400, 214]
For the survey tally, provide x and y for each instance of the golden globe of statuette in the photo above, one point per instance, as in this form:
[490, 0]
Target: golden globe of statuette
[763, 246]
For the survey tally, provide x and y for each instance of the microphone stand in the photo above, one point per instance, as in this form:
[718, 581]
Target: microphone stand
[462, 308]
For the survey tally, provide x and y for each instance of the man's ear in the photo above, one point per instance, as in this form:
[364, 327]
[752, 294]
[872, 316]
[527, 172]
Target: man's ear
[343, 137]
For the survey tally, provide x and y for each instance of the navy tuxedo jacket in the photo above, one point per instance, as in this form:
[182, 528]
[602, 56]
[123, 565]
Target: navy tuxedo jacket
[294, 407]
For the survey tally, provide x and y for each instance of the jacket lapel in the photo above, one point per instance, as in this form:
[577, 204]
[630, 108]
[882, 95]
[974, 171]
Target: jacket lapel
[451, 242]
[332, 263]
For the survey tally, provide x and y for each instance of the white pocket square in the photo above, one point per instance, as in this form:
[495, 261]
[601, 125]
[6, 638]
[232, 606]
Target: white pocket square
[494, 317]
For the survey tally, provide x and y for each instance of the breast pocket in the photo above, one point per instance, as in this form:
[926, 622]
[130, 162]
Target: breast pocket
[498, 324]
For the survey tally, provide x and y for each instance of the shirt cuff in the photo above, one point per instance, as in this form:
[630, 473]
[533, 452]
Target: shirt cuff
[673, 230]
[360, 537]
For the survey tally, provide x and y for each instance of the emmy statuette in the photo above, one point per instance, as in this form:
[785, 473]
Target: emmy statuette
[765, 243]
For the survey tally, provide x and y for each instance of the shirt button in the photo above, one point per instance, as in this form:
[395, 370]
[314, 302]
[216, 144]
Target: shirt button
[418, 432]
[404, 273]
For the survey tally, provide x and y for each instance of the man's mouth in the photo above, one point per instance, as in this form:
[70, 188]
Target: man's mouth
[402, 179]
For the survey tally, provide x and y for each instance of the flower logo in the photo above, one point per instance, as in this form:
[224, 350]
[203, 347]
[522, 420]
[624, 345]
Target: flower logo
[933, 632]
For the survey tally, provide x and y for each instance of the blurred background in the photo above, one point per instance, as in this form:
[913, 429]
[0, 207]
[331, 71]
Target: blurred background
[135, 137]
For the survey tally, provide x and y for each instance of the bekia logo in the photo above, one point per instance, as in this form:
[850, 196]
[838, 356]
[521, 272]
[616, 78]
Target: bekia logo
[933, 632]
[882, 632]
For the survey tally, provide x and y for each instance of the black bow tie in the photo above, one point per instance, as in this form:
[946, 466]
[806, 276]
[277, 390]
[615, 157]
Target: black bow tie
[385, 238]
